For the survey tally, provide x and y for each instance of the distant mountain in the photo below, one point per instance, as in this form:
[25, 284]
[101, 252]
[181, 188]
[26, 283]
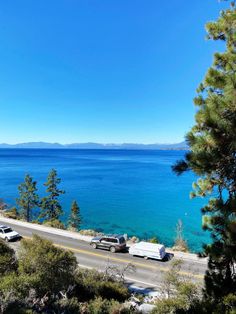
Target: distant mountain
[44, 145]
[32, 145]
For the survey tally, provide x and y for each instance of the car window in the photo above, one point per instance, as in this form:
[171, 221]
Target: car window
[122, 240]
[105, 239]
[7, 230]
[1, 231]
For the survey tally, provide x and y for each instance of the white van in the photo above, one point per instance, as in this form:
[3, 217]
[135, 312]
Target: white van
[148, 250]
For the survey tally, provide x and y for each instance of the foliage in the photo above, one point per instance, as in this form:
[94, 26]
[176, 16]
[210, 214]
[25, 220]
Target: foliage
[75, 217]
[50, 206]
[8, 262]
[46, 280]
[52, 267]
[91, 284]
[212, 156]
[153, 240]
[67, 306]
[12, 213]
[103, 306]
[179, 294]
[28, 198]
[55, 223]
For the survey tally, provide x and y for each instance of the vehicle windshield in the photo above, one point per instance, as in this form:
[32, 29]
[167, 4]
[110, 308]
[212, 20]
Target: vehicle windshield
[7, 230]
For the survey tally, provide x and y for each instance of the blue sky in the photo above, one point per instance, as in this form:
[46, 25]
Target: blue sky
[101, 70]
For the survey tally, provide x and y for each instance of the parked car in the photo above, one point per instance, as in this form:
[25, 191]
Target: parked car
[7, 234]
[148, 250]
[112, 242]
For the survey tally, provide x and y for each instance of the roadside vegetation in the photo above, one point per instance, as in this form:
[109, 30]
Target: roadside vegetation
[178, 293]
[46, 279]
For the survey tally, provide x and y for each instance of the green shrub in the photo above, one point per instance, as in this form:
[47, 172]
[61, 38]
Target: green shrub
[8, 261]
[68, 306]
[113, 290]
[91, 284]
[103, 306]
[153, 240]
[55, 223]
[53, 268]
[12, 213]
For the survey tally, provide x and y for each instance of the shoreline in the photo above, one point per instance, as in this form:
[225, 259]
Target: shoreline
[76, 235]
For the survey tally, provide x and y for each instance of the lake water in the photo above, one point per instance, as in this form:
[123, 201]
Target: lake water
[119, 191]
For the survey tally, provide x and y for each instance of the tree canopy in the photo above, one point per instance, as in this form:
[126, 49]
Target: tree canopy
[28, 198]
[212, 156]
[75, 217]
[51, 208]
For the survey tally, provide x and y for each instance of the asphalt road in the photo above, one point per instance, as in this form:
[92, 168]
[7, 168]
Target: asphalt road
[148, 274]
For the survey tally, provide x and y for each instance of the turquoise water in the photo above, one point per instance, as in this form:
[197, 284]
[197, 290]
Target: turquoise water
[124, 191]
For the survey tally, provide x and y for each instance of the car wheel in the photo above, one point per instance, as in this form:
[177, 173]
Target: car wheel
[112, 249]
[145, 257]
[6, 239]
[94, 245]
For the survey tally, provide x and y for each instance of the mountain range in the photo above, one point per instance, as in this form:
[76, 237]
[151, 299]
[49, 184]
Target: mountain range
[90, 145]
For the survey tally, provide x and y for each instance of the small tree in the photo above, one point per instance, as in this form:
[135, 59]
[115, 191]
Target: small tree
[50, 207]
[75, 217]
[180, 242]
[28, 199]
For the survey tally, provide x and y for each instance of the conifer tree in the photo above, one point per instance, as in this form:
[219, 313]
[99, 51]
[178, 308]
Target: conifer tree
[212, 157]
[75, 217]
[50, 206]
[28, 198]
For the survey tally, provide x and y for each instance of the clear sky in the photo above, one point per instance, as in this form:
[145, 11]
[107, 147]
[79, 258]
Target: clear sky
[101, 70]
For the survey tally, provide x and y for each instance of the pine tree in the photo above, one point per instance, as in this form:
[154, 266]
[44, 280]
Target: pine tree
[28, 199]
[75, 217]
[50, 206]
[212, 157]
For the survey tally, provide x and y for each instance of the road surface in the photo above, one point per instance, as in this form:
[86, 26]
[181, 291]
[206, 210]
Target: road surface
[148, 274]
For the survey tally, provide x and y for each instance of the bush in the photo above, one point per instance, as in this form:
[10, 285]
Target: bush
[153, 240]
[89, 232]
[55, 223]
[12, 213]
[17, 308]
[8, 261]
[180, 294]
[68, 306]
[103, 306]
[53, 268]
[91, 284]
[113, 290]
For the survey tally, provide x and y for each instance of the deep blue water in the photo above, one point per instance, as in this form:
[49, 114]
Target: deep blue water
[124, 191]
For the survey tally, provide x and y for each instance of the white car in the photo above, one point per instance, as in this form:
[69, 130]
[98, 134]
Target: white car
[7, 234]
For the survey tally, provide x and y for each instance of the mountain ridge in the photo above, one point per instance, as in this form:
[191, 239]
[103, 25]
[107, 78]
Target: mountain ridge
[91, 145]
